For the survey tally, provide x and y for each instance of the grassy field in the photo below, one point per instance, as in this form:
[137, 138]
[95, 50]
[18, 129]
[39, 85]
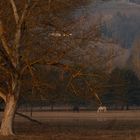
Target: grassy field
[124, 125]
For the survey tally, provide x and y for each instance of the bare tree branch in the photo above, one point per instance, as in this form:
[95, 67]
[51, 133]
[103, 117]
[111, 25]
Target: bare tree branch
[2, 95]
[18, 34]
[95, 94]
[28, 118]
[74, 89]
[7, 50]
[15, 11]
[18, 29]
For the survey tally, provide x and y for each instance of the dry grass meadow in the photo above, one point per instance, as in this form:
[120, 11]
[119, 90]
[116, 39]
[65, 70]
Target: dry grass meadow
[112, 125]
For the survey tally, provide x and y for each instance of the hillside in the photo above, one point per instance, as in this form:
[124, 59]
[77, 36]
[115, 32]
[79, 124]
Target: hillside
[120, 22]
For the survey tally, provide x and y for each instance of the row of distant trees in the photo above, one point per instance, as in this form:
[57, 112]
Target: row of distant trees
[124, 91]
[118, 90]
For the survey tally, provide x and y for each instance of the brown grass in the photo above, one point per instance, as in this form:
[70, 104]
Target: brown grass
[82, 128]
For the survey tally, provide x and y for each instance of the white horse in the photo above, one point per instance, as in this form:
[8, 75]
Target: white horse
[100, 116]
[101, 109]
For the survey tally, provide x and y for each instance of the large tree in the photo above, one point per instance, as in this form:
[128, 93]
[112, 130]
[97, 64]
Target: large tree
[11, 64]
[18, 51]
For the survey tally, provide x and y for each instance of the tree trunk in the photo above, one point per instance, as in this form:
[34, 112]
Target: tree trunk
[8, 117]
[52, 106]
[31, 110]
[127, 106]
[10, 108]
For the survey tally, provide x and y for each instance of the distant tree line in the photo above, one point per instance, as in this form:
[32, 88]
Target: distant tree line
[119, 90]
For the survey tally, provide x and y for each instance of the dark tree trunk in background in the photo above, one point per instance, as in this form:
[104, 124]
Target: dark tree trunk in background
[52, 106]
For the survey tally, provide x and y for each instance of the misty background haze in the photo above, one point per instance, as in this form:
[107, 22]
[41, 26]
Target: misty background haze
[120, 24]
